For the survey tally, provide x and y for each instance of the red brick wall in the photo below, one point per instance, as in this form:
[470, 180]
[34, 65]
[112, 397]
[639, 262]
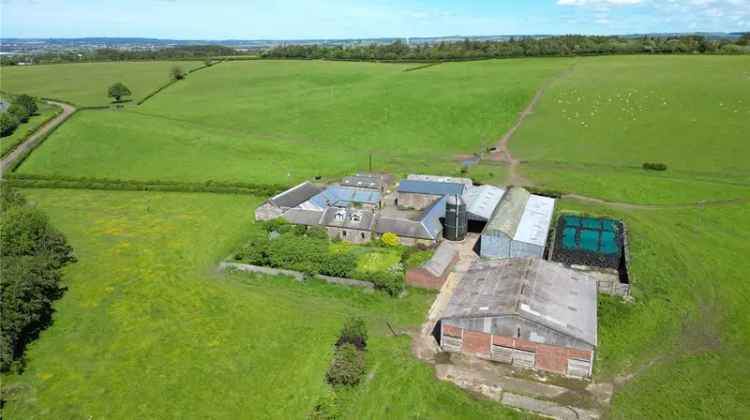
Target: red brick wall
[548, 357]
[421, 278]
[476, 342]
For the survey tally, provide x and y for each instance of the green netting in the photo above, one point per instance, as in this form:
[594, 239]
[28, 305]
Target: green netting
[591, 224]
[589, 240]
[609, 243]
[609, 225]
[569, 238]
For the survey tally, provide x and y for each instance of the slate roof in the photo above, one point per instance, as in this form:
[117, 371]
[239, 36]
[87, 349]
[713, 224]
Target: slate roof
[431, 187]
[427, 226]
[295, 195]
[359, 219]
[305, 217]
[541, 291]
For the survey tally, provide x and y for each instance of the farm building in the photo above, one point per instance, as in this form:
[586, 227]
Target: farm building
[340, 196]
[527, 312]
[291, 198]
[419, 195]
[424, 228]
[370, 181]
[482, 201]
[348, 224]
[437, 178]
[434, 273]
[519, 226]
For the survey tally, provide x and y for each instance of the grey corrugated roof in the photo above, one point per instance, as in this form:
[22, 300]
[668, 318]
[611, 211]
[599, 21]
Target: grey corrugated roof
[295, 195]
[431, 187]
[541, 291]
[438, 178]
[359, 219]
[508, 213]
[441, 259]
[363, 181]
[302, 216]
[481, 202]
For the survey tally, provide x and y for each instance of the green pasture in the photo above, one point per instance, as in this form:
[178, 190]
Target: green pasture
[685, 339]
[86, 84]
[609, 115]
[45, 112]
[148, 329]
[283, 121]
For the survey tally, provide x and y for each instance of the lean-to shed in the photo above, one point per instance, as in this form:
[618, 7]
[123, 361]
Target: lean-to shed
[519, 226]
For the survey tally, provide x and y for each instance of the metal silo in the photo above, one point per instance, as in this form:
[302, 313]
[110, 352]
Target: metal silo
[456, 221]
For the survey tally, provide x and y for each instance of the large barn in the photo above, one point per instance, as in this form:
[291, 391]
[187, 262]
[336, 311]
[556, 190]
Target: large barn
[519, 226]
[527, 312]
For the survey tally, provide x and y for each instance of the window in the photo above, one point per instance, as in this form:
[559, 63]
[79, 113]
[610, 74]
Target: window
[363, 235]
[343, 233]
[518, 332]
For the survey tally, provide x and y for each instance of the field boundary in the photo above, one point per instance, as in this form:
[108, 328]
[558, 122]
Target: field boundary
[170, 83]
[297, 275]
[30, 133]
[81, 183]
[15, 158]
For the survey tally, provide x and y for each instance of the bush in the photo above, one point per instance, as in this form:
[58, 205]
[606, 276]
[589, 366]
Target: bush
[8, 124]
[391, 282]
[21, 113]
[177, 73]
[354, 333]
[317, 232]
[338, 265]
[327, 408]
[348, 366]
[27, 103]
[654, 166]
[390, 239]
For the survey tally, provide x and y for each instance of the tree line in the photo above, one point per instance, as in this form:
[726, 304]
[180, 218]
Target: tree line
[186, 52]
[568, 45]
[32, 254]
[22, 107]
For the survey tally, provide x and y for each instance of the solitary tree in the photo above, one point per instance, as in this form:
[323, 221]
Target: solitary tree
[117, 91]
[177, 73]
[28, 103]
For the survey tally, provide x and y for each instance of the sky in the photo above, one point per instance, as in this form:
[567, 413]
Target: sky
[316, 19]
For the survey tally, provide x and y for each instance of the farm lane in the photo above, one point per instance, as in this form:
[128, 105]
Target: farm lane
[39, 134]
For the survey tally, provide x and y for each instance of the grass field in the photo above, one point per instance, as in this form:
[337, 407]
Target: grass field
[10, 142]
[606, 118]
[86, 84]
[147, 329]
[685, 340]
[283, 121]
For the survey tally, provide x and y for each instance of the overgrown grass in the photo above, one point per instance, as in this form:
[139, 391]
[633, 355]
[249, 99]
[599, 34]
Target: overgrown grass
[690, 113]
[148, 329]
[86, 84]
[283, 121]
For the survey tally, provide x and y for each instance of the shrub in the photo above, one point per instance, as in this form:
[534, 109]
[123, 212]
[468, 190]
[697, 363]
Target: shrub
[390, 239]
[317, 232]
[654, 166]
[8, 124]
[348, 366]
[338, 265]
[27, 103]
[117, 91]
[390, 282]
[354, 333]
[327, 408]
[18, 111]
[177, 73]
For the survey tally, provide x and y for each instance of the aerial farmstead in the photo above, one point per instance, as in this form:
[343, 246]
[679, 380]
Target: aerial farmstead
[527, 294]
